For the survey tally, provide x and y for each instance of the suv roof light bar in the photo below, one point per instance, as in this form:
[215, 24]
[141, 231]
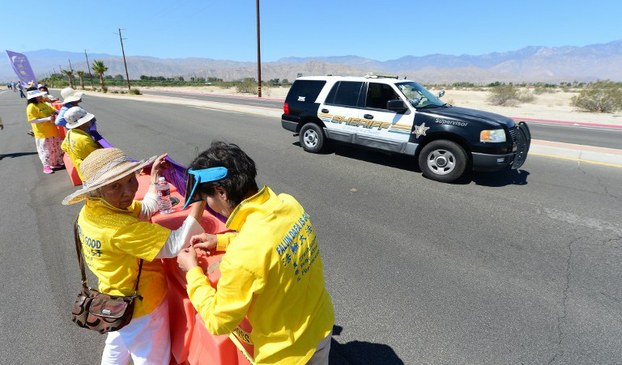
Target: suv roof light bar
[372, 75]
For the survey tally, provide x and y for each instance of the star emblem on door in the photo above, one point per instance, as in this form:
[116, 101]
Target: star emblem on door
[420, 130]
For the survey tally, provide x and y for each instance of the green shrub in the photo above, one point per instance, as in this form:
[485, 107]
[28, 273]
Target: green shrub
[247, 86]
[524, 96]
[599, 97]
[504, 95]
[135, 92]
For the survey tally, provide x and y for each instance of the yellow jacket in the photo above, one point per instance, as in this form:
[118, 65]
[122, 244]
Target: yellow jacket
[113, 241]
[42, 129]
[78, 144]
[272, 273]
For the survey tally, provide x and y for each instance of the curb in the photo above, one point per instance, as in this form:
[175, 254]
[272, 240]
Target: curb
[588, 154]
[565, 122]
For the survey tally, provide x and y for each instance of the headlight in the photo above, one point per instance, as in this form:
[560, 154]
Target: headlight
[492, 135]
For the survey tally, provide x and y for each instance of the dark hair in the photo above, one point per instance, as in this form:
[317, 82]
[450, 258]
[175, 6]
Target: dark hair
[241, 171]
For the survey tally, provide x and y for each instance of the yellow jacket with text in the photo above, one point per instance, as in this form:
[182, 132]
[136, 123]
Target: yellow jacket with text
[272, 273]
[113, 241]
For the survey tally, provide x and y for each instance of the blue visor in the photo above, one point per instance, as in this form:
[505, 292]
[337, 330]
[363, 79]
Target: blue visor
[203, 176]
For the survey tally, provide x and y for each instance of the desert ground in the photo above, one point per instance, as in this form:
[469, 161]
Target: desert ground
[553, 105]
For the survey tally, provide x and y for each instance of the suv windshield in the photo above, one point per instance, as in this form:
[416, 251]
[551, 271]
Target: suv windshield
[418, 96]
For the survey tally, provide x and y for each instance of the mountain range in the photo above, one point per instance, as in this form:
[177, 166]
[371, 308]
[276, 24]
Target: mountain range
[530, 64]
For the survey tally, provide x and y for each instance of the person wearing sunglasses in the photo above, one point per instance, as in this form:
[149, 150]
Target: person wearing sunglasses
[271, 271]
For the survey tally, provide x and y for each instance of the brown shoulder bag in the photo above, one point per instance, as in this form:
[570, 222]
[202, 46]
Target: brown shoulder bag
[98, 311]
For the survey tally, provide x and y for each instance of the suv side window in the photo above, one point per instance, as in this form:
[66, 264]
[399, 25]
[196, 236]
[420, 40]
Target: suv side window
[378, 95]
[305, 91]
[345, 93]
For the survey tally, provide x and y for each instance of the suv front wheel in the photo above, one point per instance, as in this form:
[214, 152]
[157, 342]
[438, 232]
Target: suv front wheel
[443, 161]
[312, 138]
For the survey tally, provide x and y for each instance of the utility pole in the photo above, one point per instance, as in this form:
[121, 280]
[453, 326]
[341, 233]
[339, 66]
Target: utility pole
[70, 75]
[89, 66]
[127, 75]
[258, 55]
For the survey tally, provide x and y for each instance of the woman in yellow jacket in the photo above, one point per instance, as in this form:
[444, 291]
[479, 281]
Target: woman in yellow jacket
[78, 143]
[47, 139]
[116, 234]
[272, 269]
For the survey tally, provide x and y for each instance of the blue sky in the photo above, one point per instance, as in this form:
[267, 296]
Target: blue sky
[381, 30]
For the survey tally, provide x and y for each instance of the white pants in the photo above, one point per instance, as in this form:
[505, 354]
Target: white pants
[321, 353]
[49, 151]
[146, 340]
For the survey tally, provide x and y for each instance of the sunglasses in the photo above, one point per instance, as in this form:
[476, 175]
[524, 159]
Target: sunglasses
[196, 177]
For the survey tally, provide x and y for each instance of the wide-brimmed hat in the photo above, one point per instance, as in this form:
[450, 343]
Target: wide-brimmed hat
[34, 93]
[76, 116]
[102, 167]
[70, 95]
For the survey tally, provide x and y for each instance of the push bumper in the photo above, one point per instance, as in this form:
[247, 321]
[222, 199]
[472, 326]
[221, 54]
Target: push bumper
[492, 162]
[487, 162]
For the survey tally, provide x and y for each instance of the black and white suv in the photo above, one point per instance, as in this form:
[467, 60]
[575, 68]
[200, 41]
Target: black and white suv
[401, 116]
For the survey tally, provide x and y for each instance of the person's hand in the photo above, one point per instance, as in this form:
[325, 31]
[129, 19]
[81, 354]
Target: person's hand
[187, 259]
[159, 164]
[204, 241]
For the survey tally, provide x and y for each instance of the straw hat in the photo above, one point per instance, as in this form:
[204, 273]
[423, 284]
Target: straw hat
[76, 116]
[102, 167]
[69, 95]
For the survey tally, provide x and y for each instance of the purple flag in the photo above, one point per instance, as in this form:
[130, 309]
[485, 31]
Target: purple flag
[22, 68]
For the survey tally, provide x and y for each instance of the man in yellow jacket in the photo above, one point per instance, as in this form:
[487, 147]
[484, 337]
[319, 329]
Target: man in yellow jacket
[272, 269]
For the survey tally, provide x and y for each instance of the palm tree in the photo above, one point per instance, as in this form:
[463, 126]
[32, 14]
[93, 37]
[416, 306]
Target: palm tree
[69, 74]
[81, 77]
[99, 68]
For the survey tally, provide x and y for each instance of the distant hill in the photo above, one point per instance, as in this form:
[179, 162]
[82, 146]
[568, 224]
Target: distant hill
[530, 64]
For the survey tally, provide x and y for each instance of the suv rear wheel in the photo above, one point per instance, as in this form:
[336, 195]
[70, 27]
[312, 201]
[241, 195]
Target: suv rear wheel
[312, 138]
[443, 160]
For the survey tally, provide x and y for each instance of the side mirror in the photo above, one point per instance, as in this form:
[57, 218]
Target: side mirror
[441, 93]
[397, 105]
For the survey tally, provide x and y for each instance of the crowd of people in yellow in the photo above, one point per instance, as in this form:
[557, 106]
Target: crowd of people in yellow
[271, 271]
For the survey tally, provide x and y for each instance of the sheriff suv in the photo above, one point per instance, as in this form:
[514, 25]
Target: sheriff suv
[401, 116]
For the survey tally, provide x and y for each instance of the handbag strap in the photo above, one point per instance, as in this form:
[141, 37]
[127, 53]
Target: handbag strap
[81, 261]
[79, 252]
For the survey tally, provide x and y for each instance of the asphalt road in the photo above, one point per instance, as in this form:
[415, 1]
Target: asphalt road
[504, 268]
[576, 134]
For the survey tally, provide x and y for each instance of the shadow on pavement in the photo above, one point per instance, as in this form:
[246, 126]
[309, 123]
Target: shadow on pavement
[16, 154]
[359, 353]
[501, 178]
[408, 163]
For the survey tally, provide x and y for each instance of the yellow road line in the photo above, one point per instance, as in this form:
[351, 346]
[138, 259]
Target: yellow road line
[577, 159]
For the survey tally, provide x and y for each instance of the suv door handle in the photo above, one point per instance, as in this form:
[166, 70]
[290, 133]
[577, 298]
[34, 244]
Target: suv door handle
[324, 110]
[368, 116]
